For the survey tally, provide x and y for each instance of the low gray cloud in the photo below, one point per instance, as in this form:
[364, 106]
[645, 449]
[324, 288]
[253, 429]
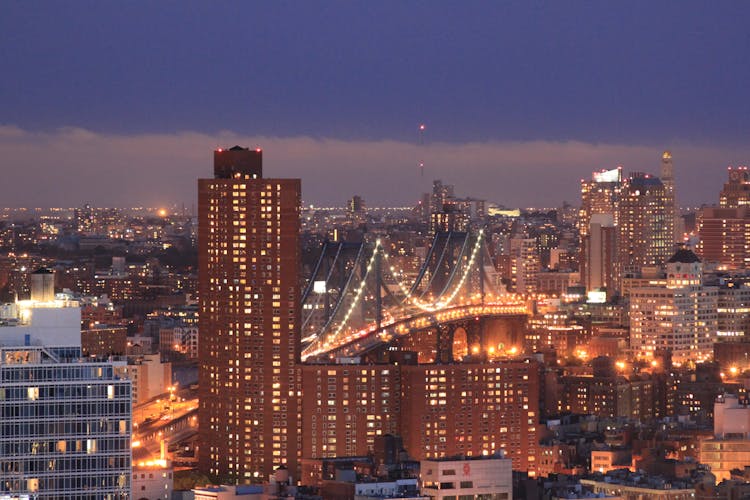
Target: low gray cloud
[71, 166]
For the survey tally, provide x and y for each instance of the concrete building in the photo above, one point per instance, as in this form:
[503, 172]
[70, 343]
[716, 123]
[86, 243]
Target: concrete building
[473, 409]
[666, 174]
[451, 217]
[280, 486]
[736, 191]
[187, 338]
[153, 479]
[599, 262]
[226, 492]
[525, 265]
[352, 488]
[348, 407]
[730, 447]
[452, 409]
[632, 489]
[733, 311]
[680, 317]
[462, 477]
[104, 340]
[724, 236]
[607, 459]
[150, 377]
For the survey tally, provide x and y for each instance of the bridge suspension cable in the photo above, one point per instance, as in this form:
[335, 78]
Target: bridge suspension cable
[337, 330]
[357, 296]
[439, 304]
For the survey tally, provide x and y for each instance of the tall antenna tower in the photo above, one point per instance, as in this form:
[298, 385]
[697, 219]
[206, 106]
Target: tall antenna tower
[421, 130]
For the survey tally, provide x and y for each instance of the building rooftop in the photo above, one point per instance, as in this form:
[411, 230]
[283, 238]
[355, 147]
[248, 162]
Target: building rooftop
[684, 256]
[644, 180]
[465, 457]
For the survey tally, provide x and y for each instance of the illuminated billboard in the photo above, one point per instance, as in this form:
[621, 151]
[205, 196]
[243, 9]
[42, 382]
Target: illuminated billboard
[613, 175]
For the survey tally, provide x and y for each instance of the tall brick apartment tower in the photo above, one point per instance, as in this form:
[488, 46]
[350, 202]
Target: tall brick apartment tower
[249, 381]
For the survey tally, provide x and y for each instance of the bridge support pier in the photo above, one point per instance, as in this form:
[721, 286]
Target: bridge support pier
[444, 344]
[475, 334]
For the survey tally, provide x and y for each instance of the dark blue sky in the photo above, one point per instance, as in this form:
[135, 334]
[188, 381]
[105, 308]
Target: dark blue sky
[631, 73]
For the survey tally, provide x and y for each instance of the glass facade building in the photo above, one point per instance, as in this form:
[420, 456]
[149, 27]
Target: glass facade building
[64, 426]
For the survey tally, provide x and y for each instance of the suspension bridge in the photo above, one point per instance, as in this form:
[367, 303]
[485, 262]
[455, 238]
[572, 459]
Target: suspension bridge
[361, 297]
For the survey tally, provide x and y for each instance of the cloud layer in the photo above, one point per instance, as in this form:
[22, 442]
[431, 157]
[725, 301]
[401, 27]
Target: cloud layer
[72, 166]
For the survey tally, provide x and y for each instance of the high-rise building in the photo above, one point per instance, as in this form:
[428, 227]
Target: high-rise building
[441, 193]
[525, 265]
[65, 421]
[733, 313]
[439, 410]
[355, 206]
[250, 318]
[724, 236]
[736, 192]
[451, 217]
[667, 178]
[599, 263]
[347, 407]
[600, 195]
[680, 317]
[458, 409]
[667, 172]
[645, 224]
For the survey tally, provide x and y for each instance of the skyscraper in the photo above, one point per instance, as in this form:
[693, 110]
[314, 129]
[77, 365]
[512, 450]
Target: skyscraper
[667, 173]
[598, 266]
[724, 231]
[667, 178]
[600, 195]
[736, 192]
[249, 309]
[646, 223]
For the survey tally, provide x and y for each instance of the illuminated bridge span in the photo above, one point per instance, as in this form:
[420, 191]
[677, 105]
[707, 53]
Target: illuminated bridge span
[364, 340]
[360, 296]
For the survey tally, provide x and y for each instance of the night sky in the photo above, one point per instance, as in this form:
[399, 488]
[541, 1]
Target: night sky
[121, 103]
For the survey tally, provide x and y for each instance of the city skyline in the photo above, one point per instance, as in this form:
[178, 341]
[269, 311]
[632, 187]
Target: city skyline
[157, 170]
[507, 92]
[496, 250]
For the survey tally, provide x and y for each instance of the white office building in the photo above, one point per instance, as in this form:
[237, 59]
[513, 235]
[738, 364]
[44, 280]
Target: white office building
[479, 478]
[65, 423]
[680, 317]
